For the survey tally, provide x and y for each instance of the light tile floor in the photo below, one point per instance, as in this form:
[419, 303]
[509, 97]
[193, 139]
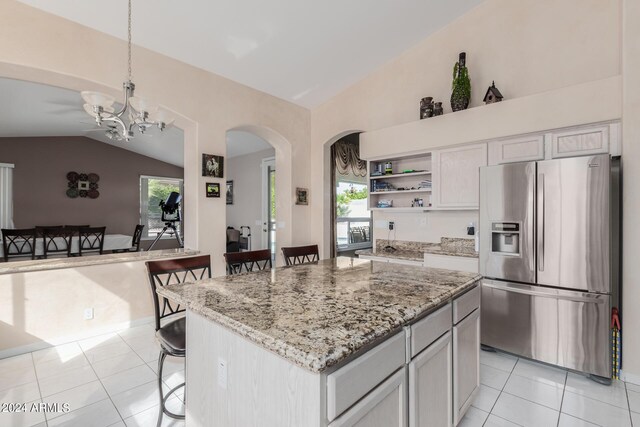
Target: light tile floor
[518, 392]
[110, 380]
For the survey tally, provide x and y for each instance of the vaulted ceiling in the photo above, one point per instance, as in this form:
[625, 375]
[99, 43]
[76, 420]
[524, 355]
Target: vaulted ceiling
[299, 50]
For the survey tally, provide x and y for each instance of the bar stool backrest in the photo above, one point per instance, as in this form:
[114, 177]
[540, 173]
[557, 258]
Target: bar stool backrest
[172, 272]
[300, 254]
[242, 262]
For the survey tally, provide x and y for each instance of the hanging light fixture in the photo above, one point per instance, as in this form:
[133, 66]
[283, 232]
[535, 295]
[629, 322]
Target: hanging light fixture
[141, 114]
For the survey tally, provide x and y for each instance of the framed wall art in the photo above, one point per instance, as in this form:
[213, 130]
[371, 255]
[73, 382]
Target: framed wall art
[212, 165]
[229, 192]
[302, 196]
[213, 189]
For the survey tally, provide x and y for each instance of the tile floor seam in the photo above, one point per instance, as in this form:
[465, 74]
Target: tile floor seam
[626, 393]
[500, 394]
[564, 389]
[588, 397]
[103, 387]
[531, 401]
[33, 363]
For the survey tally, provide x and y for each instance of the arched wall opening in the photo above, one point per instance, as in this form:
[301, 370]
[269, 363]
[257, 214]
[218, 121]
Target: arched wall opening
[51, 78]
[327, 183]
[284, 194]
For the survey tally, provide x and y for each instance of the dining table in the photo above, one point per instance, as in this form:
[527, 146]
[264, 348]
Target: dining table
[111, 242]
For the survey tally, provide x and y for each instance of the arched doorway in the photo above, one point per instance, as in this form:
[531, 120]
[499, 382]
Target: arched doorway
[349, 217]
[250, 192]
[258, 166]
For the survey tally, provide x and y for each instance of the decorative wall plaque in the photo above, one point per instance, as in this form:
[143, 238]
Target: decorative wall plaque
[83, 185]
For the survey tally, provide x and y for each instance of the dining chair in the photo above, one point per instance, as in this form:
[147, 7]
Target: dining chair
[135, 241]
[39, 228]
[91, 240]
[56, 240]
[172, 334]
[17, 243]
[242, 262]
[300, 254]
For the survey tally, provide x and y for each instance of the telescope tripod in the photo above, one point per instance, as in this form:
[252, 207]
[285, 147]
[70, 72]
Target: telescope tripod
[169, 225]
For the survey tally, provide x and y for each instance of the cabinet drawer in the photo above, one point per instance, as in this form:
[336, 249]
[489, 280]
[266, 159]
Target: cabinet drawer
[348, 384]
[429, 329]
[580, 142]
[465, 304]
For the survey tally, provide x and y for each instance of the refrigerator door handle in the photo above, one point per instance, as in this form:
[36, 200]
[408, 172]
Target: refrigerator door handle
[541, 213]
[594, 300]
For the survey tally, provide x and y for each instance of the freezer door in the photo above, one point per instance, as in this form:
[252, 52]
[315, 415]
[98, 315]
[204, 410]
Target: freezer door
[564, 328]
[573, 223]
[507, 238]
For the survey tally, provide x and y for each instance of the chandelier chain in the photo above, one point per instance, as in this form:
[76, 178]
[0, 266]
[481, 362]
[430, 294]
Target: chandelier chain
[129, 40]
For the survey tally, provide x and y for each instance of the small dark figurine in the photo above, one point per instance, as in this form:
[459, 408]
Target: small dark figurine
[493, 94]
[437, 109]
[426, 107]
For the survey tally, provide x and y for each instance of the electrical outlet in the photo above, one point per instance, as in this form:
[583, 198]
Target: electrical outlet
[88, 313]
[222, 373]
[391, 225]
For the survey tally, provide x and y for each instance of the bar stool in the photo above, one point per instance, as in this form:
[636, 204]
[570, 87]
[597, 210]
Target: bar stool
[242, 262]
[172, 334]
[300, 254]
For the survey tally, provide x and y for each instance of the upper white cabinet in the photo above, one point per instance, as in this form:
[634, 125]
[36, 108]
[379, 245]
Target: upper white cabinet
[580, 141]
[456, 176]
[521, 149]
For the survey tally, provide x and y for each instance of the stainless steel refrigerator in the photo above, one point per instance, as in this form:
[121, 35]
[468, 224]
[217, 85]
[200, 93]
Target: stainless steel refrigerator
[549, 242]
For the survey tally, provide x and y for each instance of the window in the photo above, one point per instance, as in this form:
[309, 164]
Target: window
[153, 190]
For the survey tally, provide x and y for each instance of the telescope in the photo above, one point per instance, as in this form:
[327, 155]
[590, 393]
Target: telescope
[171, 207]
[170, 215]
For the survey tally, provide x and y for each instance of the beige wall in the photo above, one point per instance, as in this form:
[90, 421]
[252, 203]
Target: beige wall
[631, 195]
[40, 47]
[46, 307]
[246, 173]
[40, 183]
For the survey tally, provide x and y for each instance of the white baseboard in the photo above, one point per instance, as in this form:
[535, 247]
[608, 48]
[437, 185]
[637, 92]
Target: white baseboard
[629, 378]
[67, 339]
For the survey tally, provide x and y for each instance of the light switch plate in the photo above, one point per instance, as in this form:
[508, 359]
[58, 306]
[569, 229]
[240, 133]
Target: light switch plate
[88, 313]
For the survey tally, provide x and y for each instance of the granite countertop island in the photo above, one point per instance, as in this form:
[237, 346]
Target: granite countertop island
[318, 315]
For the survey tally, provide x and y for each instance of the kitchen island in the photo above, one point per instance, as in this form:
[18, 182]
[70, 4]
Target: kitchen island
[334, 343]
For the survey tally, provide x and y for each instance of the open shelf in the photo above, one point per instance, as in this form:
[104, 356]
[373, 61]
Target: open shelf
[397, 175]
[422, 209]
[402, 191]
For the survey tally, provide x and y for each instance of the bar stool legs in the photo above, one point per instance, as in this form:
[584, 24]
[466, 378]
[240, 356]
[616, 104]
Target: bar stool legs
[163, 398]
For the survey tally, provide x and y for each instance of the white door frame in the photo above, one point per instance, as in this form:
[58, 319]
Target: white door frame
[267, 164]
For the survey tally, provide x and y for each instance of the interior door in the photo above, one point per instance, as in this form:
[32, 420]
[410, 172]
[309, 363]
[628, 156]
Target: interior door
[573, 223]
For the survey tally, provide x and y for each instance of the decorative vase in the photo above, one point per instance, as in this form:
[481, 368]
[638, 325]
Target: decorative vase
[426, 107]
[437, 109]
[461, 85]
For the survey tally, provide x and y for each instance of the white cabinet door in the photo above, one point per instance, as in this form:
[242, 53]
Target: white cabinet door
[580, 141]
[466, 364]
[430, 394]
[385, 406]
[456, 176]
[522, 149]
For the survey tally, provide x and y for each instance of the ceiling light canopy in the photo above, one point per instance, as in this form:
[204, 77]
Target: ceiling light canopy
[141, 113]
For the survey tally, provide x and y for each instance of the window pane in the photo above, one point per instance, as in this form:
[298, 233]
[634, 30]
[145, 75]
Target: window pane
[157, 190]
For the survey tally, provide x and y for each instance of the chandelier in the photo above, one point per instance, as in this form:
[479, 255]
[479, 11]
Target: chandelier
[140, 113]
